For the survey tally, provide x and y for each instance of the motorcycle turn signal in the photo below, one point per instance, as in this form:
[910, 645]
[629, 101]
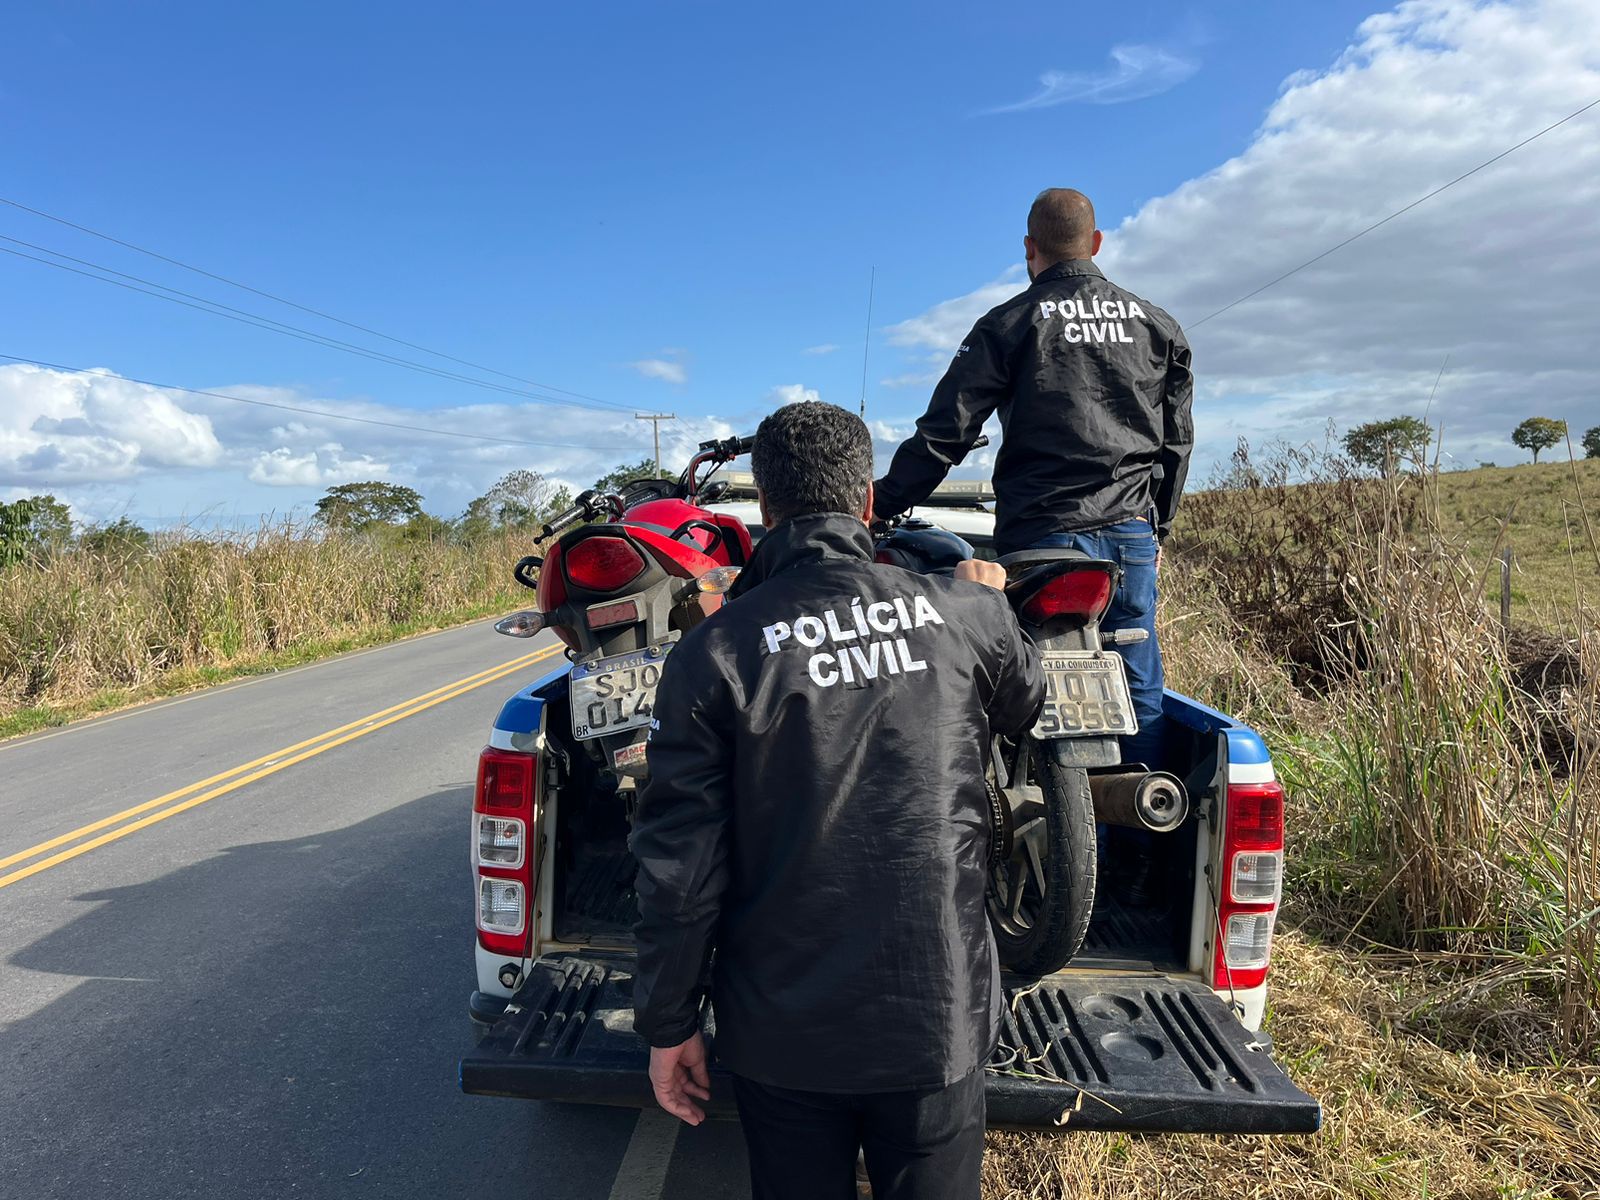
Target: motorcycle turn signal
[523, 624]
[717, 581]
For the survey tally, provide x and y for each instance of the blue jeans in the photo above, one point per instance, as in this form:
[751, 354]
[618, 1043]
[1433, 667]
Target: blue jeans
[1131, 545]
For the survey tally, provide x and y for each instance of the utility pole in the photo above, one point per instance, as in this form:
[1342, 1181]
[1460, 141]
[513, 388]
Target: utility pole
[655, 420]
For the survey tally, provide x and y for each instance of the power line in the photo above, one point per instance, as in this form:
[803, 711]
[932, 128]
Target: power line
[326, 316]
[243, 317]
[315, 412]
[1397, 212]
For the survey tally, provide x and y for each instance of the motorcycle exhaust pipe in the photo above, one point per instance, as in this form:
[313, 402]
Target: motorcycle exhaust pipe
[1152, 800]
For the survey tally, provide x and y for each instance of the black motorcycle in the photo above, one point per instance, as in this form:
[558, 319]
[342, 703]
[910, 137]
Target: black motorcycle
[1049, 787]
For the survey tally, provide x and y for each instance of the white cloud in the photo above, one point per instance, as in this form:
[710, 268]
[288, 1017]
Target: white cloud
[64, 427]
[937, 332]
[327, 464]
[825, 348]
[663, 369]
[1135, 73]
[110, 447]
[791, 393]
[1496, 273]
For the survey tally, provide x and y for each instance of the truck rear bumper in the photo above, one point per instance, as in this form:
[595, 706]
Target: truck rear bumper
[1148, 1053]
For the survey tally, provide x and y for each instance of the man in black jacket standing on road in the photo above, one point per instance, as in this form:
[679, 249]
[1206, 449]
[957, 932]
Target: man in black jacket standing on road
[1093, 388]
[816, 815]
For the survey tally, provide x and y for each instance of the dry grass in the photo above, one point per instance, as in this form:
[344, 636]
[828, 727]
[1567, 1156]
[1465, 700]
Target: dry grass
[79, 622]
[1439, 995]
[1404, 1118]
[1441, 790]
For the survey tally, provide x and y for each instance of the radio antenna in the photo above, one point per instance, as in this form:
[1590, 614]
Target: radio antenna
[866, 340]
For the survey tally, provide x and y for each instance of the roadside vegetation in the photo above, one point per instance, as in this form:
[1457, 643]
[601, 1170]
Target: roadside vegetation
[1437, 974]
[84, 630]
[93, 618]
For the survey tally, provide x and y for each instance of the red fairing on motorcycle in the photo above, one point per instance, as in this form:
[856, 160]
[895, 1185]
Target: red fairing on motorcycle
[625, 578]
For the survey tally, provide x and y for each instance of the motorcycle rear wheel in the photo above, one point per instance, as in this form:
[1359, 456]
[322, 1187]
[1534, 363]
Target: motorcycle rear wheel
[1041, 897]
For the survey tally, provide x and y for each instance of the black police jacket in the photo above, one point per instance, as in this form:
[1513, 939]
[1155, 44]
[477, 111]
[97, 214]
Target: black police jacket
[816, 814]
[1093, 389]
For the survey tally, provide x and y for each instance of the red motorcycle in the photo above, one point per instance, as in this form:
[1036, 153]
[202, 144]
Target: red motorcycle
[639, 570]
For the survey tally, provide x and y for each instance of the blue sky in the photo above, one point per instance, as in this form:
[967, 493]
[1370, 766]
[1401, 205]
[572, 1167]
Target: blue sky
[565, 194]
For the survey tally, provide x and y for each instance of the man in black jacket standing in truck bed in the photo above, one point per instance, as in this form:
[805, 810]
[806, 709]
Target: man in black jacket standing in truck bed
[1093, 387]
[816, 815]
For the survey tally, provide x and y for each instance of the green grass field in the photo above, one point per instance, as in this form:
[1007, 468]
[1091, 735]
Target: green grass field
[1543, 511]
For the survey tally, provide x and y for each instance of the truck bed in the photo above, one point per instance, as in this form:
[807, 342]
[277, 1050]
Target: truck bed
[599, 909]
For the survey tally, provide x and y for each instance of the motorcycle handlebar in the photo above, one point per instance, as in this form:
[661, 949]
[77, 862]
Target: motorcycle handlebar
[723, 449]
[582, 510]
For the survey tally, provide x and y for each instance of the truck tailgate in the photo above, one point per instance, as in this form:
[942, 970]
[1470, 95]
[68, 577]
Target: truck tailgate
[1077, 1051]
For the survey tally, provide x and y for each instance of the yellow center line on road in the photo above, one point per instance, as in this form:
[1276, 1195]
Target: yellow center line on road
[269, 764]
[264, 760]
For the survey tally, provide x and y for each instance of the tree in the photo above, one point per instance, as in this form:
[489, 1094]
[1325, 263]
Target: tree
[520, 500]
[617, 480]
[1538, 433]
[1591, 443]
[353, 507]
[120, 539]
[31, 526]
[425, 527]
[1383, 445]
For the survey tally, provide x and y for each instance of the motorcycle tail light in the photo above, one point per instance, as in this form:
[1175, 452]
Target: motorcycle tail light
[1075, 594]
[602, 564]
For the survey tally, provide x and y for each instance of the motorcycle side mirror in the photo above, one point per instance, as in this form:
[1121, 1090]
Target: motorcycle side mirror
[717, 581]
[523, 624]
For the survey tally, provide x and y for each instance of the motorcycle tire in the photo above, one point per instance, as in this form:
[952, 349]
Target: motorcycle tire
[1059, 921]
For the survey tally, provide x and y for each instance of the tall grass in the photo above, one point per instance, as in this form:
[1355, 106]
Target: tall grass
[77, 622]
[1440, 766]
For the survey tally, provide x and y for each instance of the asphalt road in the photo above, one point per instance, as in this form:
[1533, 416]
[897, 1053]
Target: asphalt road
[236, 948]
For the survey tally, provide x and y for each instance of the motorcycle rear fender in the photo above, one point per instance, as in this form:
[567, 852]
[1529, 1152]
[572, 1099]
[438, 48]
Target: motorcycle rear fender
[1031, 570]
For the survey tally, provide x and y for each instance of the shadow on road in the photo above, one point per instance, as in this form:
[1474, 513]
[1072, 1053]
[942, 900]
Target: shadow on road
[281, 1019]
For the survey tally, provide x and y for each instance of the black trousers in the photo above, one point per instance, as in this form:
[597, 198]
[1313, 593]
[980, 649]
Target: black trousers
[920, 1145]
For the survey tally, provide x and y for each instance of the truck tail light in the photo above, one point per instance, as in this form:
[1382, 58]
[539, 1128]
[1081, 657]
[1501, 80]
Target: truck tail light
[1084, 593]
[1252, 884]
[504, 803]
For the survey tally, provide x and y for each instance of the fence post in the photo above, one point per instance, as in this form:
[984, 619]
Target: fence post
[1505, 591]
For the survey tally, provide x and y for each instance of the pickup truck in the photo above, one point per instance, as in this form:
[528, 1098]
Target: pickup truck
[1154, 1026]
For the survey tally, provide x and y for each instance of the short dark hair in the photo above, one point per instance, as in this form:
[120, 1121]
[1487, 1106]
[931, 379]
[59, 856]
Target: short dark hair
[1061, 224]
[812, 457]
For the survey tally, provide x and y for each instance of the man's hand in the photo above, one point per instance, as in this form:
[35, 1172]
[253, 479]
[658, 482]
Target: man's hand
[981, 570]
[678, 1075]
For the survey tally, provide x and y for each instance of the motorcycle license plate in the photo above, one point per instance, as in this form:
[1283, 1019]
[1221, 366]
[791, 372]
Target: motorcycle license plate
[615, 694]
[1086, 694]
